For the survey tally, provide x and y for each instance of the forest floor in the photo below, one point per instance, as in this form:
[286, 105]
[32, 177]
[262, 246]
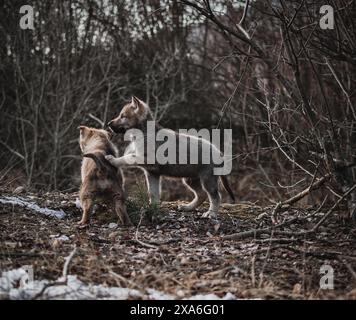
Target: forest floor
[181, 254]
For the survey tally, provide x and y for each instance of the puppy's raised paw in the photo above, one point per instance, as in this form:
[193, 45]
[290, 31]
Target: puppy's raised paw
[110, 158]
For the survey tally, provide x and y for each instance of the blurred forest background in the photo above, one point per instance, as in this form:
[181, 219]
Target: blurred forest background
[267, 70]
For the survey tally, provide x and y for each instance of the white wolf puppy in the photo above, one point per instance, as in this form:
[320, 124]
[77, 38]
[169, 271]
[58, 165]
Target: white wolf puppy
[199, 177]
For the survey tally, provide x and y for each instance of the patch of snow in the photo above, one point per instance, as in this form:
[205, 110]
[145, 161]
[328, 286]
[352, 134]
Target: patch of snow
[22, 202]
[158, 295]
[10, 279]
[112, 225]
[78, 204]
[209, 296]
[229, 296]
[212, 296]
[13, 287]
[62, 238]
[10, 288]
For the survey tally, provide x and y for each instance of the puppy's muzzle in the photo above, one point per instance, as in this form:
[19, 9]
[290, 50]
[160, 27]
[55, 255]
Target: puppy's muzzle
[114, 128]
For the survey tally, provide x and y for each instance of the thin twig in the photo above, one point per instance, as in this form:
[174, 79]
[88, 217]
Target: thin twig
[244, 13]
[332, 208]
[63, 279]
[67, 262]
[313, 185]
[318, 183]
[136, 235]
[102, 124]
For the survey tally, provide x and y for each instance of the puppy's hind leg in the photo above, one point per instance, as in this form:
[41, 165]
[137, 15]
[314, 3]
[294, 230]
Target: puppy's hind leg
[153, 183]
[121, 212]
[194, 185]
[210, 185]
[87, 204]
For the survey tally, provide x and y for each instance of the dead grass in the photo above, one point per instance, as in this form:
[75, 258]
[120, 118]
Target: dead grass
[180, 253]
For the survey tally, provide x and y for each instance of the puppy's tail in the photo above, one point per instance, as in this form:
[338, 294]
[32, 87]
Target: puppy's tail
[226, 185]
[100, 161]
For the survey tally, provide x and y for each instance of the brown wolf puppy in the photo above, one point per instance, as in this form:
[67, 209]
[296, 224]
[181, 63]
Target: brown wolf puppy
[199, 177]
[99, 178]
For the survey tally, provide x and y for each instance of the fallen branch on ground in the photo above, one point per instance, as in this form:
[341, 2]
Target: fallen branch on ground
[318, 183]
[64, 278]
[144, 244]
[256, 232]
[285, 204]
[101, 123]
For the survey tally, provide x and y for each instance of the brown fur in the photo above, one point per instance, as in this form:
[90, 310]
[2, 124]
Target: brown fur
[99, 178]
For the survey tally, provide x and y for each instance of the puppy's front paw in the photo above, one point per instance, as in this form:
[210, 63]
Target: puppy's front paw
[82, 224]
[209, 215]
[113, 161]
[110, 158]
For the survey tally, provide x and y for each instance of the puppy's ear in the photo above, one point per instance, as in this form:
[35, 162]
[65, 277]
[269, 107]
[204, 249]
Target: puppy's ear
[83, 128]
[84, 131]
[135, 102]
